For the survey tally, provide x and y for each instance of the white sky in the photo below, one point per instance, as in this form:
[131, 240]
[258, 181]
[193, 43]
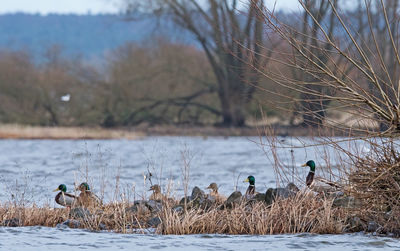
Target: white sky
[94, 6]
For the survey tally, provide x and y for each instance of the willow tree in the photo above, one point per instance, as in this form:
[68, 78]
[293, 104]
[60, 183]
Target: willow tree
[359, 73]
[221, 27]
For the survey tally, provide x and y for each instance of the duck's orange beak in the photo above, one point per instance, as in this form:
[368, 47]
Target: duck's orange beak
[55, 190]
[304, 165]
[246, 180]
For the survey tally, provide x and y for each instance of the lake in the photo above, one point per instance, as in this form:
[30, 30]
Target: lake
[32, 169]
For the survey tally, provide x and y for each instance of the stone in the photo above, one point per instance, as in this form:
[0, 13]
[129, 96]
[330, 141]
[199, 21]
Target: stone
[71, 223]
[188, 199]
[234, 198]
[80, 213]
[102, 226]
[259, 197]
[373, 226]
[138, 206]
[14, 222]
[355, 224]
[270, 196]
[178, 208]
[273, 193]
[346, 202]
[154, 206]
[154, 222]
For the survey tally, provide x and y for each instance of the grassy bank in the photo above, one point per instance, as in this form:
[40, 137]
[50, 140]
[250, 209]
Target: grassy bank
[36, 132]
[293, 215]
[10, 131]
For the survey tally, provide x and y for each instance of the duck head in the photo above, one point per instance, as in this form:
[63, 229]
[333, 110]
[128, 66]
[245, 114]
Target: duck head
[155, 188]
[213, 187]
[251, 180]
[310, 164]
[84, 187]
[62, 188]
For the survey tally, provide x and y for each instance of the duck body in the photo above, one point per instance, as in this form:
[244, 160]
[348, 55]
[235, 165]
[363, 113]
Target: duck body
[156, 195]
[63, 198]
[311, 173]
[310, 178]
[87, 198]
[214, 195]
[251, 190]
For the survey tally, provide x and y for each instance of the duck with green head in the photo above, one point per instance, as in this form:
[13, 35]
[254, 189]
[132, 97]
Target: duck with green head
[63, 198]
[310, 176]
[251, 190]
[87, 198]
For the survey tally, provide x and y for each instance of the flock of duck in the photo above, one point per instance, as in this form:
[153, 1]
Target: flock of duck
[87, 198]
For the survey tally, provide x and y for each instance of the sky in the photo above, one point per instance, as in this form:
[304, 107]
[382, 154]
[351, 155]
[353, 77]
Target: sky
[45, 7]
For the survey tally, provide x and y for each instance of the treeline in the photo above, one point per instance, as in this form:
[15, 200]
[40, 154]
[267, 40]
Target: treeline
[302, 68]
[155, 83]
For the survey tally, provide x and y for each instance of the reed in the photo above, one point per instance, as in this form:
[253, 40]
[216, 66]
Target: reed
[375, 181]
[302, 213]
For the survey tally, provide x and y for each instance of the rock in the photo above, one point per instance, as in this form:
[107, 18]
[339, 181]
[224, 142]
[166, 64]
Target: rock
[259, 197]
[346, 202]
[188, 199]
[234, 198]
[102, 226]
[71, 223]
[138, 206]
[336, 194]
[355, 224]
[178, 208]
[273, 193]
[373, 226]
[270, 196]
[14, 222]
[154, 222]
[154, 206]
[80, 213]
[292, 187]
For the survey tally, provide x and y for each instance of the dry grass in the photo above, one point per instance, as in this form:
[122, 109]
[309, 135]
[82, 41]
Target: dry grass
[35, 132]
[113, 216]
[375, 180]
[302, 213]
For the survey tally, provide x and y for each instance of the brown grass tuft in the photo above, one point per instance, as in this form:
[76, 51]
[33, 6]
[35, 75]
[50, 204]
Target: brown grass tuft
[302, 213]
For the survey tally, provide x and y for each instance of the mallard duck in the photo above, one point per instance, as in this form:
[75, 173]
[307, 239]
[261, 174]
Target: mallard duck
[86, 198]
[214, 189]
[310, 176]
[63, 198]
[214, 192]
[156, 195]
[251, 190]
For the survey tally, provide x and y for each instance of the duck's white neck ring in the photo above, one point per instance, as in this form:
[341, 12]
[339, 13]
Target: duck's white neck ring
[311, 171]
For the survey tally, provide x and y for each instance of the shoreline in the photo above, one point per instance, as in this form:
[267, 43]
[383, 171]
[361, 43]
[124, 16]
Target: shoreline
[15, 131]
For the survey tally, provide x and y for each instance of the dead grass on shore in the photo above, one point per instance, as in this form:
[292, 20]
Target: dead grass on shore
[298, 214]
[36, 132]
[293, 215]
[375, 180]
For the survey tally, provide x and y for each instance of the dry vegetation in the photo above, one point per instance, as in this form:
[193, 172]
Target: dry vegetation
[294, 215]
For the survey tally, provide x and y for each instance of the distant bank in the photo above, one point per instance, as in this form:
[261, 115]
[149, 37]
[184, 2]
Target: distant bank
[12, 131]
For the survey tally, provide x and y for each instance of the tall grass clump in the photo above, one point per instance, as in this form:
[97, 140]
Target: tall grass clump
[375, 181]
[302, 213]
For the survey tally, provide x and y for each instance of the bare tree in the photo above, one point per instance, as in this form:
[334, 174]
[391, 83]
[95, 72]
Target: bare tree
[222, 30]
[360, 92]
